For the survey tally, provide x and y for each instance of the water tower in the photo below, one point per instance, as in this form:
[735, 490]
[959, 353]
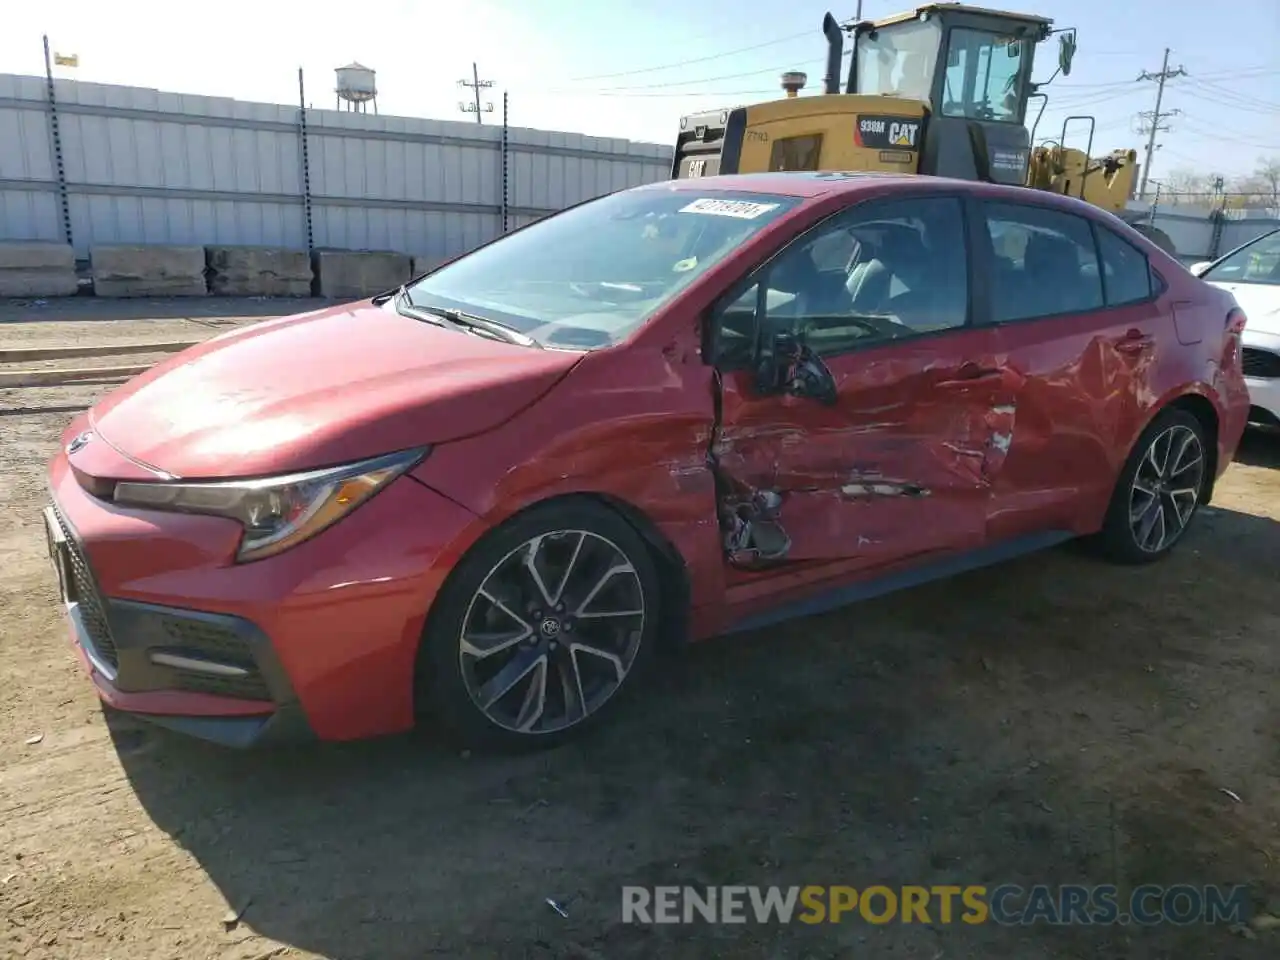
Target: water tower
[358, 86]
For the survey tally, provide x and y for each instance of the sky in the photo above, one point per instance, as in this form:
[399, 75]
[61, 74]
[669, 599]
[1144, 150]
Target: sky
[631, 69]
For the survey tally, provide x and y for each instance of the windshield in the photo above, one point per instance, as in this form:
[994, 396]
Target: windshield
[1259, 262]
[590, 276]
[984, 74]
[900, 60]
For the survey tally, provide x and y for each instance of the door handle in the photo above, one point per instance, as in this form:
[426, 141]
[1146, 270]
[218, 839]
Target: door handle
[971, 375]
[1134, 341]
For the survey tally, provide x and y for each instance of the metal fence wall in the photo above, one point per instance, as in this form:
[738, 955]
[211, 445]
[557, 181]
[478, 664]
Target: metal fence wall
[1192, 229]
[146, 166]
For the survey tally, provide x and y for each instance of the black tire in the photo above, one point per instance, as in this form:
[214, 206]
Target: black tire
[442, 679]
[1118, 540]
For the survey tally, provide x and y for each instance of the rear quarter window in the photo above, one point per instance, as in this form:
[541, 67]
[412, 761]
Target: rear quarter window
[1126, 274]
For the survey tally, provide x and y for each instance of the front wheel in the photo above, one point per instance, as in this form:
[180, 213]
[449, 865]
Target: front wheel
[540, 627]
[1159, 490]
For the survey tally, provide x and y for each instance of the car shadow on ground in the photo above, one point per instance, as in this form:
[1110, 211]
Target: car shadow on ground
[1260, 447]
[1022, 724]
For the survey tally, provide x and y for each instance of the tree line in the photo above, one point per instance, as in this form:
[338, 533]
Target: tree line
[1257, 190]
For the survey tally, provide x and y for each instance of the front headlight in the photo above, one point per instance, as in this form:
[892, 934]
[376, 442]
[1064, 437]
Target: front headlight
[276, 512]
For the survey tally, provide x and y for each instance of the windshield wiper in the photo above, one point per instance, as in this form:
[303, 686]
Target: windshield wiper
[483, 325]
[506, 332]
[458, 320]
[400, 293]
[406, 308]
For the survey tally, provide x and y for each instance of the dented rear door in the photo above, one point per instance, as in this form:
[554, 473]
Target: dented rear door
[1081, 322]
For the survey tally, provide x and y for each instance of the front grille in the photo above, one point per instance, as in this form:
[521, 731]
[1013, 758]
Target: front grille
[221, 644]
[84, 590]
[251, 687]
[1261, 363]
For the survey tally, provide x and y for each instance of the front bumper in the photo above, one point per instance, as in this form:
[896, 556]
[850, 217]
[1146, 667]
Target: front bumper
[1262, 375]
[210, 675]
[1264, 400]
[319, 640]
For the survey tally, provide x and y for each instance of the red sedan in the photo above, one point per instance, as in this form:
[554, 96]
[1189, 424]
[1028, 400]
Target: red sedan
[672, 412]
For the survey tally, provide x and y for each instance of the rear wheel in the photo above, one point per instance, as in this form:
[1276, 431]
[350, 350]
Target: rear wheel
[1159, 490]
[541, 626]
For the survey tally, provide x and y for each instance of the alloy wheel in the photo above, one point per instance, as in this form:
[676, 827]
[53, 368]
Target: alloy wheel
[552, 632]
[1166, 488]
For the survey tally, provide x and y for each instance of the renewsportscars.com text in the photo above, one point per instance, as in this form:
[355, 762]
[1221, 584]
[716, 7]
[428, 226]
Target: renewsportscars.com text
[1007, 904]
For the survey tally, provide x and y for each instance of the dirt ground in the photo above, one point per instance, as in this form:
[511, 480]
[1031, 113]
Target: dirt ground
[1051, 720]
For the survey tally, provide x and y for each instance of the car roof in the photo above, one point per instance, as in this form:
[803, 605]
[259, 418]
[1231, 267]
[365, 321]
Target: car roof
[790, 184]
[813, 184]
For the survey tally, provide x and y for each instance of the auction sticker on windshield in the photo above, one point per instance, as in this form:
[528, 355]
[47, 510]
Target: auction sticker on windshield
[741, 209]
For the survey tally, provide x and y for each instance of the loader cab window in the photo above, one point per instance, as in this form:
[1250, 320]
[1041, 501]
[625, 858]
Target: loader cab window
[984, 78]
[796, 153]
[899, 60]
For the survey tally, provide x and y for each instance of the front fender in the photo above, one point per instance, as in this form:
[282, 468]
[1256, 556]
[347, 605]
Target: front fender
[632, 426]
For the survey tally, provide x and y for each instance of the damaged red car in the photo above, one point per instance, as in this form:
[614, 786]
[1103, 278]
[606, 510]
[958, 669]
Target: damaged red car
[491, 496]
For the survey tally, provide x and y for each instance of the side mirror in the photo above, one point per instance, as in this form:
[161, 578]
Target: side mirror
[1201, 268]
[1066, 52]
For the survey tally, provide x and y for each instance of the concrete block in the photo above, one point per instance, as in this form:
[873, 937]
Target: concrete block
[37, 269]
[258, 272]
[147, 271]
[354, 275]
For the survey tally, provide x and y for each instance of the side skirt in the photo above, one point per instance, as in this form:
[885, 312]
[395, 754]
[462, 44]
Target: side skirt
[846, 594]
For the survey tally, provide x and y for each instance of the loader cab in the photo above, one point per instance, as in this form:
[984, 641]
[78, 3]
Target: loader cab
[972, 67]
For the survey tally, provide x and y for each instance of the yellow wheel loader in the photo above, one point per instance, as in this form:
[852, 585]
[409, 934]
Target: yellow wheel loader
[944, 89]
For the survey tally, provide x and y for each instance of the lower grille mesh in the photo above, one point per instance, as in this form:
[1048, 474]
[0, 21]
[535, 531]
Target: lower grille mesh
[84, 589]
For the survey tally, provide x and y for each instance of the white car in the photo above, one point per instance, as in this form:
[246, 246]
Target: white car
[1251, 273]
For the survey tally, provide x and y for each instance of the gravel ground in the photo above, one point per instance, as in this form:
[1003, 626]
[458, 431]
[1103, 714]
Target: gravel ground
[1050, 720]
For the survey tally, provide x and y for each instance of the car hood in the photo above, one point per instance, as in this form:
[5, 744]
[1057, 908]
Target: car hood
[317, 389]
[1260, 302]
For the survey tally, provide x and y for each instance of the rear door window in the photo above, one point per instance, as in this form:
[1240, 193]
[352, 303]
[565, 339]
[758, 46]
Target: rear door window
[1045, 263]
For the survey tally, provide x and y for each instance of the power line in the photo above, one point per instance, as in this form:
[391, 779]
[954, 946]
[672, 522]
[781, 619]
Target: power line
[1088, 100]
[1224, 94]
[685, 63]
[805, 66]
[687, 83]
[1155, 117]
[1212, 131]
[476, 85]
[1222, 101]
[681, 93]
[1244, 73]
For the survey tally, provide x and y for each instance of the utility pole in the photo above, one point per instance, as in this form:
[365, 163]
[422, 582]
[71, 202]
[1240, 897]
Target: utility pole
[476, 85]
[1152, 118]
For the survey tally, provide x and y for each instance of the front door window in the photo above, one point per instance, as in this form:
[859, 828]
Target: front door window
[897, 460]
